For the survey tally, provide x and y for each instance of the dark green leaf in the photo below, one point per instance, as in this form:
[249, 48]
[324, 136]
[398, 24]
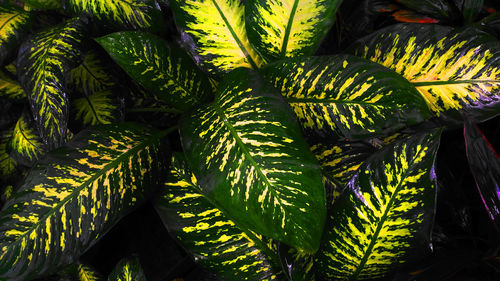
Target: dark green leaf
[11, 89]
[164, 70]
[127, 269]
[43, 4]
[440, 9]
[14, 23]
[74, 195]
[215, 239]
[250, 157]
[387, 203]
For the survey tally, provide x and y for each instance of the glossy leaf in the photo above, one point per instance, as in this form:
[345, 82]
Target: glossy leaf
[25, 145]
[43, 4]
[440, 9]
[136, 14]
[128, 269]
[386, 205]
[7, 163]
[14, 23]
[215, 239]
[214, 32]
[454, 71]
[165, 71]
[347, 97]
[250, 157]
[74, 195]
[291, 28]
[11, 89]
[484, 163]
[42, 64]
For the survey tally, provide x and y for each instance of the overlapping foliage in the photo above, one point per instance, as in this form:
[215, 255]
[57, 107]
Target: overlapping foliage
[263, 159]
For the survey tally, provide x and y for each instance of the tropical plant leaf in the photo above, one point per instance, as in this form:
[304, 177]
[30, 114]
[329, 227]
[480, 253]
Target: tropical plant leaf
[484, 162]
[250, 157]
[470, 9]
[128, 269]
[291, 28]
[215, 34]
[74, 195]
[454, 71]
[14, 23]
[299, 266]
[440, 9]
[136, 14]
[43, 4]
[85, 273]
[7, 163]
[98, 108]
[91, 76]
[346, 97]
[42, 64]
[165, 71]
[25, 145]
[11, 89]
[211, 235]
[387, 203]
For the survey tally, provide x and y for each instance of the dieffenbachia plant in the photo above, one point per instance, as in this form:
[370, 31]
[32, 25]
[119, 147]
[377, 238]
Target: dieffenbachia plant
[264, 160]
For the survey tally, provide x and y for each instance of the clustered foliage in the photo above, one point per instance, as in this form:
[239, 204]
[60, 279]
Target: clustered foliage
[275, 140]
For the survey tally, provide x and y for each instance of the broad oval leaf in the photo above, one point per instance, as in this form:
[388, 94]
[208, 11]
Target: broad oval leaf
[250, 157]
[97, 108]
[136, 14]
[128, 269]
[215, 34]
[455, 71]
[387, 203]
[345, 96]
[92, 75]
[213, 237]
[14, 22]
[11, 89]
[290, 28]
[165, 71]
[25, 145]
[42, 64]
[484, 162]
[74, 195]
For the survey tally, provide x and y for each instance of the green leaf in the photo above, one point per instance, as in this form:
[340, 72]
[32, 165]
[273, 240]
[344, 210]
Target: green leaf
[250, 157]
[436, 8]
[43, 4]
[454, 71]
[98, 108]
[76, 194]
[291, 28]
[11, 89]
[346, 97]
[165, 71]
[388, 202]
[85, 273]
[14, 23]
[25, 145]
[211, 235]
[135, 14]
[91, 76]
[215, 34]
[7, 163]
[128, 269]
[42, 64]
[470, 9]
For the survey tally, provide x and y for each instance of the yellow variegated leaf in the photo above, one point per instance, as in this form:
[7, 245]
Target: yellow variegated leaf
[43, 4]
[42, 65]
[85, 273]
[386, 205]
[98, 108]
[7, 163]
[214, 32]
[128, 269]
[91, 75]
[76, 194]
[455, 71]
[14, 22]
[289, 28]
[25, 145]
[137, 14]
[10, 88]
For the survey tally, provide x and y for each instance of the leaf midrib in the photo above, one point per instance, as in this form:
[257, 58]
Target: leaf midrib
[9, 19]
[451, 82]
[76, 192]
[288, 28]
[375, 237]
[328, 101]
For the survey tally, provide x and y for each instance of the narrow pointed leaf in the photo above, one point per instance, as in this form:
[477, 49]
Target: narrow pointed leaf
[25, 145]
[387, 204]
[165, 71]
[128, 269]
[291, 28]
[43, 62]
[215, 34]
[14, 23]
[250, 157]
[484, 163]
[454, 71]
[136, 14]
[215, 239]
[43, 4]
[11, 89]
[347, 97]
[74, 195]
